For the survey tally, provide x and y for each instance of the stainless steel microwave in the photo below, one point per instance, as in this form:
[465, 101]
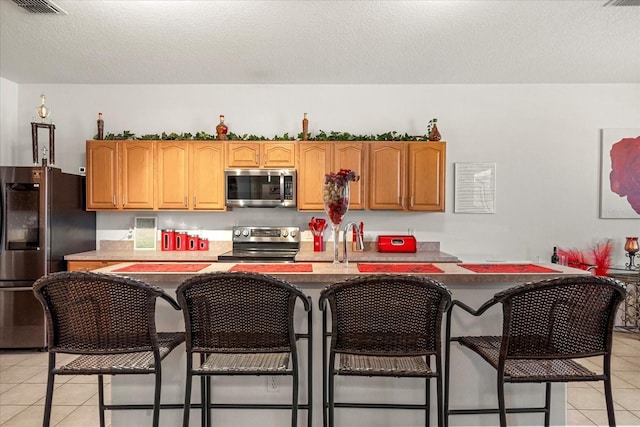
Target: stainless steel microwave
[263, 188]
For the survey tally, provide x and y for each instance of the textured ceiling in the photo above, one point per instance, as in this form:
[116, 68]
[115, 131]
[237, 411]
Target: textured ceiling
[314, 42]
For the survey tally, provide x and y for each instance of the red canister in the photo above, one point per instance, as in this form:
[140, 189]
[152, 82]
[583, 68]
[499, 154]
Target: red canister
[203, 244]
[168, 238]
[193, 242]
[182, 241]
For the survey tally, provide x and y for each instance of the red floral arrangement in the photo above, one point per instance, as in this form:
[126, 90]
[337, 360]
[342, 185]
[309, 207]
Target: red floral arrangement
[625, 170]
[598, 256]
[334, 196]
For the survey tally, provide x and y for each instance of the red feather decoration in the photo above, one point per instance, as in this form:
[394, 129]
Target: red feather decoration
[602, 257]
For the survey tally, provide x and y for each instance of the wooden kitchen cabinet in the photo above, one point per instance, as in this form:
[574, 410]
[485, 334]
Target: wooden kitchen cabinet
[387, 175]
[190, 175]
[426, 176]
[407, 176]
[206, 176]
[315, 159]
[89, 265]
[120, 175]
[252, 154]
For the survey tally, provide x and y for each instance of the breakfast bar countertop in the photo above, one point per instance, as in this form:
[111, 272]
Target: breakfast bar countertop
[167, 273]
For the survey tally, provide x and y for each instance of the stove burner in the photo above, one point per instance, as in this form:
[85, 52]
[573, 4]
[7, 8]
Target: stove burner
[263, 244]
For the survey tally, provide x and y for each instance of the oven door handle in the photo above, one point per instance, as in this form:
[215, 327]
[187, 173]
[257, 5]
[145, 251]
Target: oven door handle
[281, 187]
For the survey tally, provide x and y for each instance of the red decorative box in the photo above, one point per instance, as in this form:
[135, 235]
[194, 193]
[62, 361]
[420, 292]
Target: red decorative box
[396, 244]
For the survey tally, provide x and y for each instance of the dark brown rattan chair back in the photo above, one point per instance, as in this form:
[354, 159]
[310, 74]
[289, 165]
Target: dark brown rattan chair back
[387, 314]
[231, 312]
[97, 313]
[560, 318]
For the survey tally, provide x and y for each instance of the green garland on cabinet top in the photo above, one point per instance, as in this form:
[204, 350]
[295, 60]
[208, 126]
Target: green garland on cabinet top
[321, 136]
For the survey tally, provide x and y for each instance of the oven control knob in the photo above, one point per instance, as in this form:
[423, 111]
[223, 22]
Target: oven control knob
[245, 232]
[236, 233]
[293, 233]
[285, 233]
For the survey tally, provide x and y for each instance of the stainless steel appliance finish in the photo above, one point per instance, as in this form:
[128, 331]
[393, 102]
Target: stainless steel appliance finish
[262, 188]
[42, 218]
[263, 244]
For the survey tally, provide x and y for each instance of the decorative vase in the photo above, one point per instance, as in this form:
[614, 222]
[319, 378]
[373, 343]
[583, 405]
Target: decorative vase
[335, 197]
[222, 129]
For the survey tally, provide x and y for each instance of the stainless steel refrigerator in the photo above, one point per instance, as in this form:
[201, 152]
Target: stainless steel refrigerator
[42, 219]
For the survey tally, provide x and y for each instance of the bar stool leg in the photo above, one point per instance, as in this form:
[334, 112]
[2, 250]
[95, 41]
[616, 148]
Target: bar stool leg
[547, 405]
[294, 403]
[156, 398]
[187, 393]
[427, 392]
[48, 401]
[101, 400]
[501, 403]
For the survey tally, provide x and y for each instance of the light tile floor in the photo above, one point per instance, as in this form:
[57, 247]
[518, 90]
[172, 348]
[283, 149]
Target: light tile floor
[23, 381]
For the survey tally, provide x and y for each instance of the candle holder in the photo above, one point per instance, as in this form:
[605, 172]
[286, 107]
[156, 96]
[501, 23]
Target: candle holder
[631, 246]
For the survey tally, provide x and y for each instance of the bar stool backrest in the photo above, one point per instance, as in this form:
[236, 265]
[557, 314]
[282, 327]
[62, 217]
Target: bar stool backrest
[387, 314]
[92, 313]
[231, 312]
[560, 318]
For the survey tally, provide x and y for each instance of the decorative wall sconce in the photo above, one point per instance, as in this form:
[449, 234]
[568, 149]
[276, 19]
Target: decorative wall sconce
[631, 246]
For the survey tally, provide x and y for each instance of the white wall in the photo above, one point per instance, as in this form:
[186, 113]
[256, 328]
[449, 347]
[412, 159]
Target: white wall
[545, 140]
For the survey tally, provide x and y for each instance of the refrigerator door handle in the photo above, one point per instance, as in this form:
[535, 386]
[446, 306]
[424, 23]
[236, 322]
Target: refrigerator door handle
[20, 289]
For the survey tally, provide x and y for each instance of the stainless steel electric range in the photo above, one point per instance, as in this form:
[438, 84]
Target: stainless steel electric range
[263, 244]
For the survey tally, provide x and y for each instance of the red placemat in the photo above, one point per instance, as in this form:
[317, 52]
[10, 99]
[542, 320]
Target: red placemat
[507, 268]
[162, 268]
[273, 268]
[398, 268]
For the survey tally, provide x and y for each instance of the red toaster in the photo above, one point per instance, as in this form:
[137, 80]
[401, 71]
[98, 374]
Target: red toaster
[396, 243]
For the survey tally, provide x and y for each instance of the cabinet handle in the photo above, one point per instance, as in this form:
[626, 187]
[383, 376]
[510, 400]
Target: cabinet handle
[411, 201]
[257, 158]
[124, 199]
[194, 201]
[266, 158]
[115, 203]
[185, 201]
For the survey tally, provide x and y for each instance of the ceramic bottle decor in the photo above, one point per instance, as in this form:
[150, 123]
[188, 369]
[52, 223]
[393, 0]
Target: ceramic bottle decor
[222, 129]
[100, 127]
[434, 134]
[305, 127]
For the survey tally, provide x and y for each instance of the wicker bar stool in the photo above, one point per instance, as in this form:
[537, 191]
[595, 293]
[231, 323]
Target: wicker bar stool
[546, 325]
[109, 321]
[243, 324]
[383, 325]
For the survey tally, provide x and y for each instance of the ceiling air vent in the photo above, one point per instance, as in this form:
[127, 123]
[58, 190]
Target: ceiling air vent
[623, 3]
[40, 6]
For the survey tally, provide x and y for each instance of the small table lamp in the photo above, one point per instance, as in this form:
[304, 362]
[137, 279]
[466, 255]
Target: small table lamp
[631, 246]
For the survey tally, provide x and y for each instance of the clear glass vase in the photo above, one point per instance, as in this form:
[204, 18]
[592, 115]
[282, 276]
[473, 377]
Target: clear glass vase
[335, 197]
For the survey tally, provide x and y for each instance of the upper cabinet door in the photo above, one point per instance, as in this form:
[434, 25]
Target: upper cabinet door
[102, 175]
[172, 162]
[278, 154]
[243, 154]
[137, 174]
[426, 176]
[387, 175]
[314, 161]
[206, 176]
[352, 155]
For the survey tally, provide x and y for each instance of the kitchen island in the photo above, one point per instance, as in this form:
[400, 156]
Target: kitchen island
[472, 381]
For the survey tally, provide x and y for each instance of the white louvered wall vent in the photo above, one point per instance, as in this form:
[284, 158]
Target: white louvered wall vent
[623, 3]
[40, 6]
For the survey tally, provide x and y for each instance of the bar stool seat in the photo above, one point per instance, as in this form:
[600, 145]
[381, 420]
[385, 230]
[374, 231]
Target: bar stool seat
[242, 363]
[397, 366]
